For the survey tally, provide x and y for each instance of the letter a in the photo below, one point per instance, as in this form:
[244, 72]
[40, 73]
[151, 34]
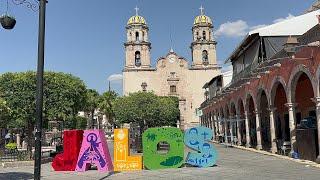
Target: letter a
[94, 149]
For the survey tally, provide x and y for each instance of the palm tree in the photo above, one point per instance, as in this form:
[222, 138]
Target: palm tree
[106, 105]
[92, 101]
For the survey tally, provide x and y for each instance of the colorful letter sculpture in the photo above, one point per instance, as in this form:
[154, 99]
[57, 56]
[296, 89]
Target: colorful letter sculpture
[173, 158]
[122, 159]
[67, 160]
[94, 149]
[196, 138]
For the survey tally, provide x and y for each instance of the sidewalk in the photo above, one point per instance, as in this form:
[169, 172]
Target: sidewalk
[301, 161]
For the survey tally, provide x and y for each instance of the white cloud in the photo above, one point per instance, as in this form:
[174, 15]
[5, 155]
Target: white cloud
[282, 19]
[233, 29]
[115, 77]
[240, 28]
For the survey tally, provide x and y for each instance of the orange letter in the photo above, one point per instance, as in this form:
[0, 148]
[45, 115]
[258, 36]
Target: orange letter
[122, 159]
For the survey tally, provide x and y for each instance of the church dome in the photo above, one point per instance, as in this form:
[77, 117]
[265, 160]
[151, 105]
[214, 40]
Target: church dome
[137, 20]
[202, 19]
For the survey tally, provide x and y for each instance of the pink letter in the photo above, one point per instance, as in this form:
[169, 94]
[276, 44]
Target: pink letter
[94, 149]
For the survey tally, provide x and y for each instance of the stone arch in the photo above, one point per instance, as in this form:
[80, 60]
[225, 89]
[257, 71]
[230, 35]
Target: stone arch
[273, 87]
[281, 116]
[263, 104]
[233, 123]
[233, 108]
[227, 122]
[248, 96]
[302, 89]
[258, 97]
[251, 109]
[242, 123]
[292, 83]
[222, 120]
[218, 121]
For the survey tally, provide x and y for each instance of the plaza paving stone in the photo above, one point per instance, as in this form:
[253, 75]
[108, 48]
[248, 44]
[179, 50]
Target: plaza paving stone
[232, 164]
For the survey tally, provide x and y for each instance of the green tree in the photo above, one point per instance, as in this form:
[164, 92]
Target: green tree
[4, 113]
[147, 109]
[64, 95]
[106, 103]
[92, 101]
[169, 110]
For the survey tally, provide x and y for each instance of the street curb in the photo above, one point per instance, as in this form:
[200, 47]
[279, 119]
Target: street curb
[301, 161]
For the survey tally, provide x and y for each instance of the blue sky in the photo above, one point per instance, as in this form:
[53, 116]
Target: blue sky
[85, 37]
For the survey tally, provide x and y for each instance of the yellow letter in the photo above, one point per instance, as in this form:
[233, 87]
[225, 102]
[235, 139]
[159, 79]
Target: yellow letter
[122, 159]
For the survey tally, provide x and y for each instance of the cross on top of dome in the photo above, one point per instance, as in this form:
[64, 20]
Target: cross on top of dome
[201, 10]
[137, 10]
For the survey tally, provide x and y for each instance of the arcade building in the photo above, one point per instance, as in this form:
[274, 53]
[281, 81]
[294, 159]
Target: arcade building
[273, 101]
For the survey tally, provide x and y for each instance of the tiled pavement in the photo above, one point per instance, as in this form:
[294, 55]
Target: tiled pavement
[232, 164]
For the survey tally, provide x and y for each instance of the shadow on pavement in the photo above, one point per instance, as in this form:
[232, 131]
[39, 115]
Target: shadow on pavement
[109, 174]
[16, 175]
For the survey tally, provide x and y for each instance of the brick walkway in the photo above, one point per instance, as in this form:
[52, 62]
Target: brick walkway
[232, 164]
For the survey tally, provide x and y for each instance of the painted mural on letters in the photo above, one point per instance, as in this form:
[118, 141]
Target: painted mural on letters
[173, 158]
[122, 159]
[197, 139]
[94, 150]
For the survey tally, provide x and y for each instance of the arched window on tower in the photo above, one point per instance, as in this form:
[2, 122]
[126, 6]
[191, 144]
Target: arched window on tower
[137, 58]
[205, 57]
[137, 36]
[197, 35]
[204, 36]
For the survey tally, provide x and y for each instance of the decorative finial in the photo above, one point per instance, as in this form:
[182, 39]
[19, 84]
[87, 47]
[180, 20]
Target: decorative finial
[137, 9]
[171, 41]
[201, 10]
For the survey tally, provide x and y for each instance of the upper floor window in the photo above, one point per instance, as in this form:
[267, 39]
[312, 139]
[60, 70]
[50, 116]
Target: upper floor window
[204, 35]
[205, 57]
[137, 36]
[144, 86]
[173, 89]
[137, 58]
[172, 74]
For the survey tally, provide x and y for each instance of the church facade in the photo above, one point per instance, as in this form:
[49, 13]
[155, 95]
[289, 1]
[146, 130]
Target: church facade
[172, 74]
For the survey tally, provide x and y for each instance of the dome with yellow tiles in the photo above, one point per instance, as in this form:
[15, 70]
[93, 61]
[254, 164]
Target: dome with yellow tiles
[202, 19]
[137, 20]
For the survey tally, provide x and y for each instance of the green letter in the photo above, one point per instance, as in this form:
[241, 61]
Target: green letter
[156, 160]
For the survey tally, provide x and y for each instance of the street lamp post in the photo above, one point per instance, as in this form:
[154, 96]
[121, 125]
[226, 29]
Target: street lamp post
[39, 96]
[40, 70]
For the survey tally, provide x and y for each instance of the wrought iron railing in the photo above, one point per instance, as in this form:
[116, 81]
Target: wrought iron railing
[13, 155]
